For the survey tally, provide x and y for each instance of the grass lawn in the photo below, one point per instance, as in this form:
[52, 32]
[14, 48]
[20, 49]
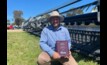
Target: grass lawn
[23, 49]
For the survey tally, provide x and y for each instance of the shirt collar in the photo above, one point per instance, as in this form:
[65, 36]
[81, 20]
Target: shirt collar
[52, 28]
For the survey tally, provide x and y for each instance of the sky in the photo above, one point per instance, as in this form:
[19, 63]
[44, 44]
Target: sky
[33, 8]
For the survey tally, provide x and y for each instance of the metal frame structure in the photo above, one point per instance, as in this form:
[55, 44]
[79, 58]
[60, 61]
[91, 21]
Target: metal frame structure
[83, 37]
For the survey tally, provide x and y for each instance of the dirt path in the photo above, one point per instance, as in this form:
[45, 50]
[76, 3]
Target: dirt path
[17, 30]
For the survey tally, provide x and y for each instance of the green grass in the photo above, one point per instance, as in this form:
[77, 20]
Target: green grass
[84, 60]
[23, 49]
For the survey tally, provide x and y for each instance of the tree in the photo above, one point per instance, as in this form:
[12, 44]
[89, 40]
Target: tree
[8, 22]
[68, 14]
[13, 23]
[75, 12]
[17, 14]
[46, 16]
[79, 11]
[94, 9]
[17, 17]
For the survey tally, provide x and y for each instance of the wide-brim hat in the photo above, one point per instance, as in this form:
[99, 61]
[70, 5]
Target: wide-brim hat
[56, 14]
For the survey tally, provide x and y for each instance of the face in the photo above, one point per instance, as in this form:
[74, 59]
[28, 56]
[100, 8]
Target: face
[55, 21]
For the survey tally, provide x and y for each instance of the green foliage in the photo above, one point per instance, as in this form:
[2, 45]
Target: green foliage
[18, 17]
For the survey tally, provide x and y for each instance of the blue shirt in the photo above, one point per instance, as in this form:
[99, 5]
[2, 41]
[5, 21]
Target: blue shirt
[49, 36]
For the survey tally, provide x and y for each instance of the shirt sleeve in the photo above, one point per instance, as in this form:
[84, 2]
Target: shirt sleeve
[68, 38]
[43, 43]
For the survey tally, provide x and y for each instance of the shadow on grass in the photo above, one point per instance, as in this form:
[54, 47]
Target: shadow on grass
[79, 57]
[55, 63]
